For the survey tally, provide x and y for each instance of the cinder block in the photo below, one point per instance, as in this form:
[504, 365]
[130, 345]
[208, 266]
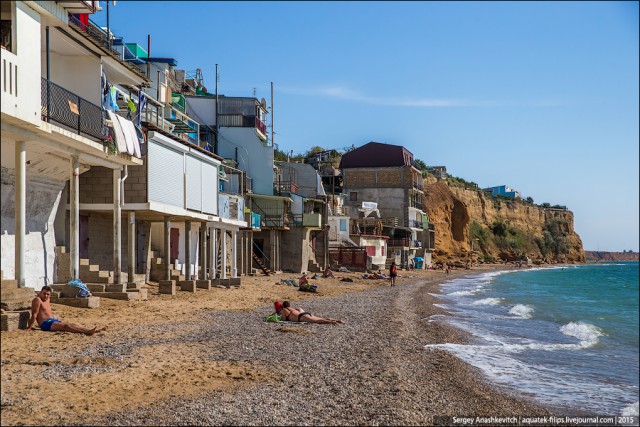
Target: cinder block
[203, 284]
[12, 320]
[234, 281]
[167, 287]
[127, 296]
[188, 285]
[225, 282]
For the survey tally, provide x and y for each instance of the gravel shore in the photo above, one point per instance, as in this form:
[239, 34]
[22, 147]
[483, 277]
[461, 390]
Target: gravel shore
[372, 370]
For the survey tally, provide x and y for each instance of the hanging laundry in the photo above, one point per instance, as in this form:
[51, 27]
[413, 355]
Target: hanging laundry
[113, 98]
[131, 105]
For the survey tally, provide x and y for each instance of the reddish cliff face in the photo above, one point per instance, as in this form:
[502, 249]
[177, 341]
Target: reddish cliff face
[464, 217]
[611, 256]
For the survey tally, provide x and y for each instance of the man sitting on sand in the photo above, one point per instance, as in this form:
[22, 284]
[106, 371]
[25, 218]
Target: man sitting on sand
[41, 311]
[291, 314]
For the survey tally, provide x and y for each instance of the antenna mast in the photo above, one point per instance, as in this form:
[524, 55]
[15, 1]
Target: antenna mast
[272, 143]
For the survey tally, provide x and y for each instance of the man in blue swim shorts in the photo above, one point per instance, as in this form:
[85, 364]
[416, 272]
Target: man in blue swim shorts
[41, 312]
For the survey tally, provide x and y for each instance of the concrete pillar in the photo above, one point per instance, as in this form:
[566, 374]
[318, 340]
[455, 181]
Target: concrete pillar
[131, 265]
[117, 228]
[203, 250]
[234, 254]
[74, 219]
[167, 248]
[20, 211]
[272, 249]
[214, 253]
[187, 250]
[223, 254]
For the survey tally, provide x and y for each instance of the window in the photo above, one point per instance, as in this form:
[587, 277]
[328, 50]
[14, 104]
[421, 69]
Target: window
[343, 225]
[353, 196]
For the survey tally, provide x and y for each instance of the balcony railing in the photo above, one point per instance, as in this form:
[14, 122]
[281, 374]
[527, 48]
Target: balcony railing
[418, 185]
[284, 187]
[237, 120]
[404, 242]
[97, 34]
[416, 224]
[68, 109]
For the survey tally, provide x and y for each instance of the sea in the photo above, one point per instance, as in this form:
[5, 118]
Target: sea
[566, 337]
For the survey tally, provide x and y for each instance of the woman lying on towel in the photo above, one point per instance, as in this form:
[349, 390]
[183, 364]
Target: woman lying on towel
[291, 314]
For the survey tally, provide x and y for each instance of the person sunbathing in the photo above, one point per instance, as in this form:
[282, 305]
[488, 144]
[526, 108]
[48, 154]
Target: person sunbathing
[291, 314]
[41, 312]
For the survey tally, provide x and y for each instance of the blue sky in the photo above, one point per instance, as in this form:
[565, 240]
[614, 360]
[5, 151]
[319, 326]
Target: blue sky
[541, 96]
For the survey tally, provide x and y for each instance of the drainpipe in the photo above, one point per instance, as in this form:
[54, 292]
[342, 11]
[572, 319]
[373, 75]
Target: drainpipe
[20, 211]
[124, 178]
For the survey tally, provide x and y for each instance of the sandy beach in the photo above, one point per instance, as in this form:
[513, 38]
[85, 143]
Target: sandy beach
[209, 359]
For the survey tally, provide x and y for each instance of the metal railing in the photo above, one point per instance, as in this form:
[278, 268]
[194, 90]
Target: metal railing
[238, 120]
[97, 34]
[416, 224]
[418, 185]
[404, 242]
[66, 108]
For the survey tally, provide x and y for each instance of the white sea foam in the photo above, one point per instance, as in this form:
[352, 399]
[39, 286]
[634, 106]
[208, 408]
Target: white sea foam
[463, 293]
[587, 333]
[631, 410]
[488, 301]
[521, 310]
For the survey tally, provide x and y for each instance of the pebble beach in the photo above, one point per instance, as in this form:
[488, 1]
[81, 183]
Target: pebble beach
[209, 359]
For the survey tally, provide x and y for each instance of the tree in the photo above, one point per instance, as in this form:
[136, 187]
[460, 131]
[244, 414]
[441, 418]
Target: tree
[529, 200]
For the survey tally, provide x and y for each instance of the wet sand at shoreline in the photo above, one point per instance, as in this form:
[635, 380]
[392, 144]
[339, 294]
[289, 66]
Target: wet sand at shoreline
[208, 358]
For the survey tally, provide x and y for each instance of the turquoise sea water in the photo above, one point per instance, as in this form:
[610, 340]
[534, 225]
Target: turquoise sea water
[566, 337]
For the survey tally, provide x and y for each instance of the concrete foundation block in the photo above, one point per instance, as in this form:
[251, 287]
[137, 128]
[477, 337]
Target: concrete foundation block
[122, 287]
[127, 296]
[234, 281]
[91, 302]
[167, 287]
[203, 284]
[225, 282]
[143, 294]
[12, 320]
[188, 285]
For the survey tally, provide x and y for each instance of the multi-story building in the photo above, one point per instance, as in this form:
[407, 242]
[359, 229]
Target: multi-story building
[54, 129]
[241, 139]
[385, 174]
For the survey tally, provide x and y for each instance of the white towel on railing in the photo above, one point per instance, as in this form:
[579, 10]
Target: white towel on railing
[130, 130]
[127, 135]
[118, 132]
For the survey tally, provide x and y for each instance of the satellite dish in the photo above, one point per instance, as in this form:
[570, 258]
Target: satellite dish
[263, 102]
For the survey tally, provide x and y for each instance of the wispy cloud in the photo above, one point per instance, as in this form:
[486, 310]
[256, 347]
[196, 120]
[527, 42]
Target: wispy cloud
[346, 94]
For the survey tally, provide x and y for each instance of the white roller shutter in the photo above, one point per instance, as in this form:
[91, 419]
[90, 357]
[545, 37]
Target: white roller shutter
[194, 183]
[209, 189]
[166, 175]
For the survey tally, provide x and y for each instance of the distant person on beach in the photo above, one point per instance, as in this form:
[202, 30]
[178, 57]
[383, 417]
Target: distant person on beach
[393, 273]
[328, 273]
[41, 312]
[291, 314]
[303, 280]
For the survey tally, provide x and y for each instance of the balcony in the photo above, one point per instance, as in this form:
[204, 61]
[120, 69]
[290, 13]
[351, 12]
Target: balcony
[68, 109]
[187, 128]
[238, 120]
[401, 242]
[416, 224]
[418, 185]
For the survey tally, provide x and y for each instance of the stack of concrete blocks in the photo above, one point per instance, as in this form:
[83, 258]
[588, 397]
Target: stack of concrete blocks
[188, 285]
[15, 304]
[167, 287]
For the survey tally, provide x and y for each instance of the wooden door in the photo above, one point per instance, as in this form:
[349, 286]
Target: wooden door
[174, 244]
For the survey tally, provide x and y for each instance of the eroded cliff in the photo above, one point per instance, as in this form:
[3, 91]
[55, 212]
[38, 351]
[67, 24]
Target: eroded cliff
[473, 227]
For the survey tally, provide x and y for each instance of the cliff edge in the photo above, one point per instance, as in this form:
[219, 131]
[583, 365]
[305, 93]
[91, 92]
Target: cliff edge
[471, 226]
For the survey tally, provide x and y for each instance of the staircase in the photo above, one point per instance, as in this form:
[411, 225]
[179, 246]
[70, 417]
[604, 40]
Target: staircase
[157, 269]
[89, 273]
[258, 260]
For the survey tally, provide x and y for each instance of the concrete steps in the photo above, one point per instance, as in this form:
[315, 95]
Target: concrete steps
[14, 298]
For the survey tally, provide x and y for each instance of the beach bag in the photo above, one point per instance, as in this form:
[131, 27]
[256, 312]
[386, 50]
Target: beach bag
[308, 288]
[83, 291]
